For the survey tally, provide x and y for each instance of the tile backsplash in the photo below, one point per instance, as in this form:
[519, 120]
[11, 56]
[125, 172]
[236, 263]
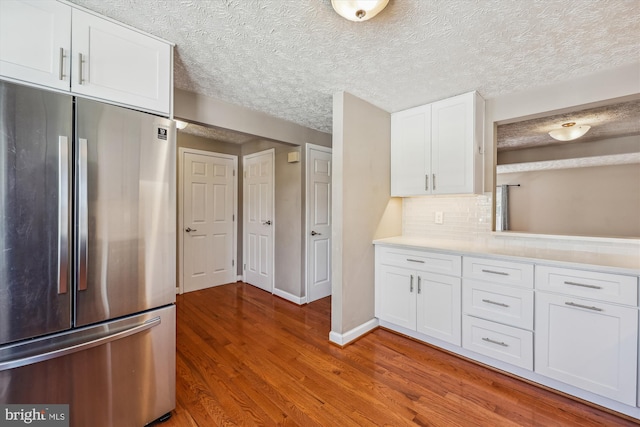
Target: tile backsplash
[469, 218]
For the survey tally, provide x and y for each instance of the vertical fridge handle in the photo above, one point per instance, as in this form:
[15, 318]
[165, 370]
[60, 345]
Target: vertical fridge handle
[83, 215]
[63, 214]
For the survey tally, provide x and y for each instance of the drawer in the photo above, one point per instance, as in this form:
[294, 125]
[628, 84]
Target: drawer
[420, 260]
[505, 343]
[496, 271]
[606, 287]
[505, 304]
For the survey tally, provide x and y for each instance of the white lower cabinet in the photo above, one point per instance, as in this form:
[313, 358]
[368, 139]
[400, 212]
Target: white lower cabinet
[588, 344]
[505, 343]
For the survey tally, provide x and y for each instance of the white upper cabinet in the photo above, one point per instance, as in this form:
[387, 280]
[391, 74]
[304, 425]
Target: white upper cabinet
[35, 42]
[55, 45]
[119, 64]
[437, 148]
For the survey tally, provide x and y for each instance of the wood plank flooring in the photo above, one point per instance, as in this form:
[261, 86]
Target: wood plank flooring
[245, 357]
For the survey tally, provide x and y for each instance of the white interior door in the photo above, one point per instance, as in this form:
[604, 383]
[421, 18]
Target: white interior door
[318, 167]
[258, 220]
[208, 225]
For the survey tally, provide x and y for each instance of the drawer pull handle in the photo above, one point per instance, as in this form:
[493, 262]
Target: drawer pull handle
[411, 284]
[573, 304]
[583, 285]
[501, 304]
[415, 260]
[419, 280]
[502, 273]
[503, 344]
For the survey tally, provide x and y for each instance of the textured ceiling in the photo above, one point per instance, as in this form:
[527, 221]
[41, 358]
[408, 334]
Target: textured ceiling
[609, 121]
[287, 57]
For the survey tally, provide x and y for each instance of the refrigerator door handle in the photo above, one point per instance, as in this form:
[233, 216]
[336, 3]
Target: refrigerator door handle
[63, 213]
[83, 216]
[16, 363]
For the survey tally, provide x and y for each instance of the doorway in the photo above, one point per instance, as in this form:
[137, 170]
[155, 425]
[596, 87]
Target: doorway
[258, 219]
[208, 212]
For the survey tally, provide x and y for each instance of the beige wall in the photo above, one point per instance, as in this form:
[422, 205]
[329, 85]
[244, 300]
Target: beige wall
[593, 201]
[361, 195]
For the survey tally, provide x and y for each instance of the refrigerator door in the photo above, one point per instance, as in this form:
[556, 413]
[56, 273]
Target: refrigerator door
[118, 373]
[35, 138]
[125, 208]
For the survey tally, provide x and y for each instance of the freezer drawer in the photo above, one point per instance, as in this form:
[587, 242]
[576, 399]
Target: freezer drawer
[121, 373]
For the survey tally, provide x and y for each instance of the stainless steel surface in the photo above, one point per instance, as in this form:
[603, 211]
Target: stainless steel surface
[126, 382]
[61, 69]
[588, 307]
[130, 207]
[65, 347]
[82, 258]
[501, 304]
[583, 285]
[31, 122]
[315, 233]
[415, 260]
[63, 214]
[80, 80]
[501, 273]
[189, 229]
[503, 344]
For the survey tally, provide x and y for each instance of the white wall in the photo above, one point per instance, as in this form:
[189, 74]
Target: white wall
[361, 203]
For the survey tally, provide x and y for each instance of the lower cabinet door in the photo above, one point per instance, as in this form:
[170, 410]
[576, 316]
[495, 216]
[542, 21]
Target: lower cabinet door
[396, 296]
[505, 343]
[439, 307]
[588, 344]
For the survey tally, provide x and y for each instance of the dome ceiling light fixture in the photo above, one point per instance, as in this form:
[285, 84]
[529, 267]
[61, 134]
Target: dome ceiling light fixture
[180, 124]
[569, 132]
[358, 10]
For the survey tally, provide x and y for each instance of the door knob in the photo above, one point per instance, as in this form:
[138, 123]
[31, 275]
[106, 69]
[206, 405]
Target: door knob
[267, 222]
[190, 229]
[313, 233]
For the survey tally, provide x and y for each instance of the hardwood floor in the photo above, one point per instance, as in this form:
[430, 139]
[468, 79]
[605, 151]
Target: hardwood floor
[245, 357]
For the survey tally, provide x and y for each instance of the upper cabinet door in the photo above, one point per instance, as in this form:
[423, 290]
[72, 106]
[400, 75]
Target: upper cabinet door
[115, 63]
[454, 146]
[411, 152]
[35, 42]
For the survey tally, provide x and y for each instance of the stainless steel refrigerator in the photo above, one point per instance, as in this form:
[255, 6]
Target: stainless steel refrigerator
[87, 257]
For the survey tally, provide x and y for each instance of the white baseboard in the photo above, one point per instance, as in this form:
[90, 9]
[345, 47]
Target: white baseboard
[353, 334]
[240, 278]
[289, 297]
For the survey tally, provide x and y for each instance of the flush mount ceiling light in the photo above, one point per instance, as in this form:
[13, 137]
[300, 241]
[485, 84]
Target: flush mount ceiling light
[180, 124]
[569, 132]
[358, 10]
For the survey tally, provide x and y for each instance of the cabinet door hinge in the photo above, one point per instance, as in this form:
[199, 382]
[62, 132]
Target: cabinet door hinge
[233, 218]
[234, 172]
[233, 263]
[244, 267]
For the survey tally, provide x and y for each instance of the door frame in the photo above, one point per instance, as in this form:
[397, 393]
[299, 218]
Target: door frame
[307, 214]
[180, 225]
[272, 152]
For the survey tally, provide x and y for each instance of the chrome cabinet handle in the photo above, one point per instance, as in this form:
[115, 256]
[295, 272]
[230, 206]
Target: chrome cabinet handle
[411, 284]
[426, 182]
[434, 181]
[501, 304]
[61, 70]
[63, 213]
[313, 233]
[267, 222]
[501, 343]
[80, 79]
[582, 285]
[189, 229]
[419, 283]
[501, 273]
[573, 304]
[415, 260]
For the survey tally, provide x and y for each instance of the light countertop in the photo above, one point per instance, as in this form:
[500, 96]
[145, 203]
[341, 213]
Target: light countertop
[614, 263]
